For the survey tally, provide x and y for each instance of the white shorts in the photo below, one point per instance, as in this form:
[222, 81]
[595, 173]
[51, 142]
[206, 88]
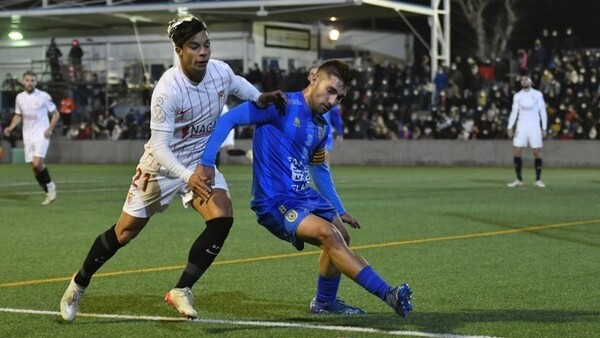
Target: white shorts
[531, 137]
[152, 191]
[37, 147]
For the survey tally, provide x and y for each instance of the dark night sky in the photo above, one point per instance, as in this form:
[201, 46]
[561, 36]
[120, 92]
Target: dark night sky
[583, 16]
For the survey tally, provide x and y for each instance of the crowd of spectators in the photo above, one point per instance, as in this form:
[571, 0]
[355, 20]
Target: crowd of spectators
[469, 99]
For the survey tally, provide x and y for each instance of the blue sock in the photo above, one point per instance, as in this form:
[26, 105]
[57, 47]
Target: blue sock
[327, 288]
[372, 282]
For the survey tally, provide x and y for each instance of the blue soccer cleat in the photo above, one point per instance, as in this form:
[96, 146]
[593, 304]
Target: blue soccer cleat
[399, 299]
[338, 307]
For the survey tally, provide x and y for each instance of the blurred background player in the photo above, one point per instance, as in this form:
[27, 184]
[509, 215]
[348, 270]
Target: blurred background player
[32, 106]
[529, 113]
[181, 124]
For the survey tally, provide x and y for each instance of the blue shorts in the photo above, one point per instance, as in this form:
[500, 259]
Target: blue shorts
[283, 216]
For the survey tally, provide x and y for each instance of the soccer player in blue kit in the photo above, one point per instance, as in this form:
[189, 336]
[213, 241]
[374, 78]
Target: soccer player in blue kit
[289, 151]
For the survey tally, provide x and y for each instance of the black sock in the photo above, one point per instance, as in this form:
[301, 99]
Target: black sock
[43, 179]
[518, 165]
[104, 247]
[538, 169]
[204, 250]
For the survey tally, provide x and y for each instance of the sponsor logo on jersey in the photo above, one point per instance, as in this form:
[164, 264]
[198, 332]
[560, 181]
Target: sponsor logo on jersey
[202, 130]
[297, 122]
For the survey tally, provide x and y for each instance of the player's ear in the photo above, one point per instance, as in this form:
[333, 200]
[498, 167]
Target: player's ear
[179, 51]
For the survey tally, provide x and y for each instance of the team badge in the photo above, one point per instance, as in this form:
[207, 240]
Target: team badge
[158, 114]
[291, 215]
[297, 122]
[221, 94]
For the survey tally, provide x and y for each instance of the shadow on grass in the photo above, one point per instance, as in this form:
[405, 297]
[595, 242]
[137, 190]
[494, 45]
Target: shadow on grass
[452, 322]
[232, 306]
[15, 197]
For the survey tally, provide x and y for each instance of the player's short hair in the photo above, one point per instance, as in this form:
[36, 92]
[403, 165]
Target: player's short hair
[29, 73]
[183, 28]
[337, 68]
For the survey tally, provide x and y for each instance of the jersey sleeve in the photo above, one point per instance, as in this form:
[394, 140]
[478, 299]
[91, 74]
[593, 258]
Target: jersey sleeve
[336, 119]
[240, 87]
[321, 176]
[164, 102]
[48, 103]
[18, 99]
[242, 115]
[514, 112]
[543, 113]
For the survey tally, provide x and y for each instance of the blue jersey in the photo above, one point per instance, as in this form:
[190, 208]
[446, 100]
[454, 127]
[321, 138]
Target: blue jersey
[286, 146]
[333, 118]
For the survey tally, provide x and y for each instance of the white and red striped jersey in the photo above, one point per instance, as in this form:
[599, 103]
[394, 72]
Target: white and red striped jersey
[528, 110]
[34, 109]
[190, 110]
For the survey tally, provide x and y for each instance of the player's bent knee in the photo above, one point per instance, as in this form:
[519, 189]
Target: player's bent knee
[330, 238]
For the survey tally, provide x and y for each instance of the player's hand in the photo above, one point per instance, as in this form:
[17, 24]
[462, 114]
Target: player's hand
[201, 184]
[7, 132]
[544, 133]
[277, 98]
[510, 133]
[351, 221]
[47, 133]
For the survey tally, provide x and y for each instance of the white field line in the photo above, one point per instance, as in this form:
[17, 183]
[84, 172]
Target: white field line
[250, 323]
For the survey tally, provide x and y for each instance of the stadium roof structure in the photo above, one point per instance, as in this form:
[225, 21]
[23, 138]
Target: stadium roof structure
[68, 18]
[42, 18]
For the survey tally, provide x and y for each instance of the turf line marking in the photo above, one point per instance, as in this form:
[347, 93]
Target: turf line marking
[308, 253]
[251, 323]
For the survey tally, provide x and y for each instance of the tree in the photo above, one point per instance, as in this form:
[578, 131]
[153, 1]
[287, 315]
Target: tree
[493, 21]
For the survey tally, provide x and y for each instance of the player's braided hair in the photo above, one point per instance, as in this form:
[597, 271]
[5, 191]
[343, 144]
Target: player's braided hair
[183, 28]
[337, 68]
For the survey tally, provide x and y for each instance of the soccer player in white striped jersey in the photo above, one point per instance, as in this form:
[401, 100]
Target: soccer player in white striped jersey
[185, 106]
[529, 114]
[32, 106]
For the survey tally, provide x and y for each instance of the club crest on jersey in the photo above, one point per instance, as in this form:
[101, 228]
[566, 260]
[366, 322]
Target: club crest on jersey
[221, 94]
[158, 114]
[297, 122]
[291, 215]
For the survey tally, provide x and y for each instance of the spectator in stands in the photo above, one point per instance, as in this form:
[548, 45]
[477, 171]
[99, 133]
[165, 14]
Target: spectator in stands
[53, 55]
[66, 110]
[75, 55]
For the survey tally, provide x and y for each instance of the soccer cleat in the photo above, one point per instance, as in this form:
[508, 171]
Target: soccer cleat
[51, 194]
[399, 299]
[516, 183]
[337, 307]
[540, 184]
[69, 304]
[183, 301]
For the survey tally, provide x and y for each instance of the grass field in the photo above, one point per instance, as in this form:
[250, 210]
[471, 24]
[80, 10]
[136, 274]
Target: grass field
[482, 259]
